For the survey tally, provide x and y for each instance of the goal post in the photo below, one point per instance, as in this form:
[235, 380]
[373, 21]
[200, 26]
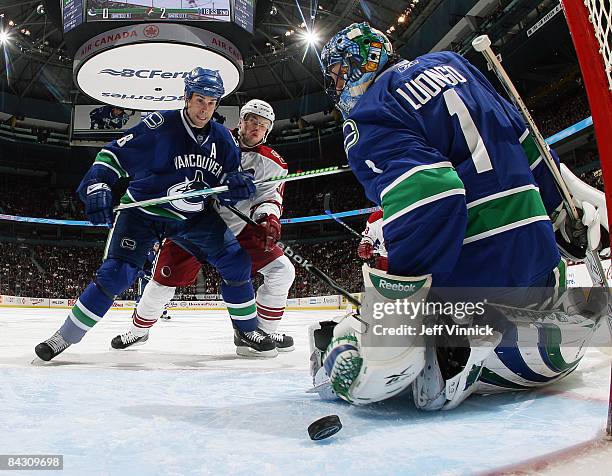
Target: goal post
[590, 24]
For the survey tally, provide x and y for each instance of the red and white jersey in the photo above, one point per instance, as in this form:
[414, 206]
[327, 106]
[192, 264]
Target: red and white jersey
[374, 233]
[264, 162]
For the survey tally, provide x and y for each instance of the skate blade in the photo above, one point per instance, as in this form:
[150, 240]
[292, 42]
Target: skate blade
[38, 362]
[254, 354]
[125, 349]
[286, 349]
[326, 385]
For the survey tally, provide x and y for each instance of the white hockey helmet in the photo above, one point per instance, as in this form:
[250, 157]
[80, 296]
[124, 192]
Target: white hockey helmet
[261, 108]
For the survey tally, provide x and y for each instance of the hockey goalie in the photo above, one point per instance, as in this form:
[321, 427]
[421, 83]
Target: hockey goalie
[471, 214]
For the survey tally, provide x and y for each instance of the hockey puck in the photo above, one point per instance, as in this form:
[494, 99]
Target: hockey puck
[324, 427]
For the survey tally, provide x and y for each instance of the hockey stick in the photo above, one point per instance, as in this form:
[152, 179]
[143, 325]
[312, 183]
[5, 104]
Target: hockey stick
[482, 44]
[328, 212]
[300, 261]
[223, 188]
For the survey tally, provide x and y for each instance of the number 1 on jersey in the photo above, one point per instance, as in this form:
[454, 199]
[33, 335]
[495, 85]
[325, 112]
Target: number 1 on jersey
[480, 156]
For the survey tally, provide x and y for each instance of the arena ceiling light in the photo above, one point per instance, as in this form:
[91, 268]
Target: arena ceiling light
[311, 37]
[4, 37]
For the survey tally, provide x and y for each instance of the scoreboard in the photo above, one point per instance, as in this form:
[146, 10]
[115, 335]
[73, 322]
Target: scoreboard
[76, 12]
[156, 10]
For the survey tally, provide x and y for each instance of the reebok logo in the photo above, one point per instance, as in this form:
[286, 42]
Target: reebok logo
[395, 286]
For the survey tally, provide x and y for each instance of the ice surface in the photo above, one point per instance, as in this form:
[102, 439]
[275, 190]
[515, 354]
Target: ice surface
[184, 403]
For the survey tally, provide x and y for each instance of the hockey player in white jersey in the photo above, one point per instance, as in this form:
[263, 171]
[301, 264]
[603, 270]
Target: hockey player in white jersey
[175, 267]
[467, 203]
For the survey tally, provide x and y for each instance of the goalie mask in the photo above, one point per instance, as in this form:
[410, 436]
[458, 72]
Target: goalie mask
[351, 60]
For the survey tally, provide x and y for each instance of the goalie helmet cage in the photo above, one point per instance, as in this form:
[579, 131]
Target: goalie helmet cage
[590, 24]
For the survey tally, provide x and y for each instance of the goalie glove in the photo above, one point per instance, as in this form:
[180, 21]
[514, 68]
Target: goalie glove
[574, 237]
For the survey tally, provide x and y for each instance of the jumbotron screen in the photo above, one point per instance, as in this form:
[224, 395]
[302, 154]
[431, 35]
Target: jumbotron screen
[240, 12]
[156, 10]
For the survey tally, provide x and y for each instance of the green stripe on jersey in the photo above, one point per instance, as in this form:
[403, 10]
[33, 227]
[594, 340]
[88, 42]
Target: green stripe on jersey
[109, 160]
[500, 214]
[562, 276]
[154, 209]
[531, 149]
[420, 186]
[242, 311]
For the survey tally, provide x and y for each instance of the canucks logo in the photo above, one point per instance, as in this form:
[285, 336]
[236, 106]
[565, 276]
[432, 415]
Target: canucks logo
[351, 135]
[195, 204]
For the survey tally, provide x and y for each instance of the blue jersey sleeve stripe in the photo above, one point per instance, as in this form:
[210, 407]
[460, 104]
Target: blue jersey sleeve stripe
[411, 172]
[108, 159]
[420, 203]
[531, 149]
[497, 195]
[502, 229]
[422, 185]
[503, 209]
[536, 163]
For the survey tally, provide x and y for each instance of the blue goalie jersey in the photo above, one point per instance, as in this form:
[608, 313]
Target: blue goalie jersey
[464, 192]
[164, 156]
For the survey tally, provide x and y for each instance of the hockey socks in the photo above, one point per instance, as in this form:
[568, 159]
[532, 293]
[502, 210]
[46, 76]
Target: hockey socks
[88, 310]
[140, 326]
[240, 301]
[151, 306]
[269, 317]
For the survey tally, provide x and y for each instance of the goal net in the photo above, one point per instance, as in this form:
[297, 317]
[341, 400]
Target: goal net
[590, 24]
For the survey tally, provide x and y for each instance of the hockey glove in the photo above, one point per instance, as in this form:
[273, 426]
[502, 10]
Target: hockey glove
[365, 250]
[98, 200]
[241, 187]
[270, 230]
[574, 237]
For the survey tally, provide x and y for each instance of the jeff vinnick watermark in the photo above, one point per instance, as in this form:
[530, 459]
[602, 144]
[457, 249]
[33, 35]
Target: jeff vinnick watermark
[417, 311]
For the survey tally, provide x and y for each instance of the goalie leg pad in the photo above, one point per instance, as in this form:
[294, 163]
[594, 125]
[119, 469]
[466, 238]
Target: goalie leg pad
[365, 365]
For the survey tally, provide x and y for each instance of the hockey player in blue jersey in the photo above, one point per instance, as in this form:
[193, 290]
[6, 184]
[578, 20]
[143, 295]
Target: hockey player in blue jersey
[109, 117]
[167, 153]
[467, 202]
[144, 276]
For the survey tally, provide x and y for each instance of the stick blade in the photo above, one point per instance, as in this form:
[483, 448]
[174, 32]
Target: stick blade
[326, 202]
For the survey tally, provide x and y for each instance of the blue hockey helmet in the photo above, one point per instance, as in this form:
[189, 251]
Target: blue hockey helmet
[206, 82]
[351, 60]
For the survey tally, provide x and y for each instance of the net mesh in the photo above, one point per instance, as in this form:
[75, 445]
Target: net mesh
[600, 16]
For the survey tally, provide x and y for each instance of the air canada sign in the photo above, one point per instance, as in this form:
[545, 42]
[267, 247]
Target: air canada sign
[143, 66]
